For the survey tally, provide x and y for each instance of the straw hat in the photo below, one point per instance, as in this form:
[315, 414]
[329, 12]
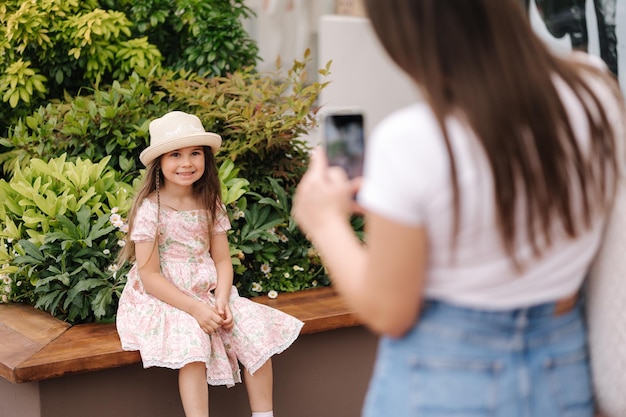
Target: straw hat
[176, 130]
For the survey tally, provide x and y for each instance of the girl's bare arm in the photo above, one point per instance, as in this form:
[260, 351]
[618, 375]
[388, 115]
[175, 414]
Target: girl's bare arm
[220, 252]
[156, 285]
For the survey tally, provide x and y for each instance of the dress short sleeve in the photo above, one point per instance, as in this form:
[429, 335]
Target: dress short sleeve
[145, 225]
[222, 224]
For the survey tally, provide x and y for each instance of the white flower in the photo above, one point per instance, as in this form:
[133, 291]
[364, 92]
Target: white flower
[239, 215]
[266, 269]
[284, 238]
[106, 252]
[314, 283]
[10, 239]
[272, 231]
[5, 299]
[286, 275]
[256, 287]
[115, 219]
[298, 268]
[272, 294]
[236, 215]
[7, 289]
[113, 268]
[18, 283]
[124, 228]
[6, 279]
[115, 210]
[121, 243]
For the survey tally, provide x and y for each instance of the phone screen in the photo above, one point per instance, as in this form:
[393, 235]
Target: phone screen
[345, 142]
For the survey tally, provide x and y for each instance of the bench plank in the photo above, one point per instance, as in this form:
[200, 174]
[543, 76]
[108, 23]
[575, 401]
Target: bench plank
[320, 309]
[26, 355]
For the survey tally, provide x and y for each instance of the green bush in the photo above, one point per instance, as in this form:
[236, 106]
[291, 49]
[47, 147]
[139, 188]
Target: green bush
[111, 123]
[49, 48]
[58, 242]
[271, 254]
[203, 36]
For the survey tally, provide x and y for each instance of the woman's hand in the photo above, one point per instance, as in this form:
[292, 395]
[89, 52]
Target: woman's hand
[223, 309]
[324, 192]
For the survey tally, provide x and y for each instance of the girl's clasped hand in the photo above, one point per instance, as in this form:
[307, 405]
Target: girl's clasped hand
[210, 318]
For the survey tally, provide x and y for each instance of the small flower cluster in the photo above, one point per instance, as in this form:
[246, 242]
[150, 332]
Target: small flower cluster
[285, 276]
[118, 221]
[11, 289]
[281, 236]
[5, 288]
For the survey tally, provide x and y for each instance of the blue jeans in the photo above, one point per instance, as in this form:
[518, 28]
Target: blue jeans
[470, 363]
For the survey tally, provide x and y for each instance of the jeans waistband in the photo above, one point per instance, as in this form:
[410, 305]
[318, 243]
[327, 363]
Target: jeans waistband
[530, 326]
[550, 309]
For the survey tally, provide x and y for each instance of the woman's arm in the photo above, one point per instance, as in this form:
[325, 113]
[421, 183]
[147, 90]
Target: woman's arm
[155, 284]
[382, 281]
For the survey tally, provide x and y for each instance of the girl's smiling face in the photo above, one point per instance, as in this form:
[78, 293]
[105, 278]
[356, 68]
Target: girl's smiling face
[183, 166]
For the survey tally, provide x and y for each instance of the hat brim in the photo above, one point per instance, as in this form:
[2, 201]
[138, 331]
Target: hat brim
[199, 139]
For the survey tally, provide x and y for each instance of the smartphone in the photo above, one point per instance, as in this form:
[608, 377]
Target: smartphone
[344, 140]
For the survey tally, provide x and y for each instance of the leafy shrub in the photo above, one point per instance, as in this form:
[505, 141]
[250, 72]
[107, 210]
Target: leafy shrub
[49, 48]
[112, 122]
[270, 251]
[58, 239]
[203, 36]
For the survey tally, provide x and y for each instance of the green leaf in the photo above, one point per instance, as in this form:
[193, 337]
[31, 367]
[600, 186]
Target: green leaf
[84, 221]
[49, 301]
[83, 286]
[31, 250]
[101, 302]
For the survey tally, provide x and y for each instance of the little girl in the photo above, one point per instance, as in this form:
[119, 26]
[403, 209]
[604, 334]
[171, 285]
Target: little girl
[179, 307]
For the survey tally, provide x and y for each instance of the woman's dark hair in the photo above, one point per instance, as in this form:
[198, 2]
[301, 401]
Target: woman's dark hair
[479, 60]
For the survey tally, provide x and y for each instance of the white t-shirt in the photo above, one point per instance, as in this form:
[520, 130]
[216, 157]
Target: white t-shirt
[407, 179]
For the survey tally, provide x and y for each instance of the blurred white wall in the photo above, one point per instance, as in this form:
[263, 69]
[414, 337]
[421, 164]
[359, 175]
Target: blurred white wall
[362, 75]
[286, 29]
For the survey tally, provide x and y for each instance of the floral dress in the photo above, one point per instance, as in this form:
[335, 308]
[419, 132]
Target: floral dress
[168, 337]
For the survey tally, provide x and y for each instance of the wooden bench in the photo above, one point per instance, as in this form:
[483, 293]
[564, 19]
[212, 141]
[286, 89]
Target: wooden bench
[35, 346]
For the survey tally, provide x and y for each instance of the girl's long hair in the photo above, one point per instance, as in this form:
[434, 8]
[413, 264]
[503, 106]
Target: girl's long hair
[207, 189]
[480, 60]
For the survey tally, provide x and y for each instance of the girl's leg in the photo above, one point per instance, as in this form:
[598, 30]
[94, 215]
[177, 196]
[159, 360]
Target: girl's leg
[260, 388]
[194, 389]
